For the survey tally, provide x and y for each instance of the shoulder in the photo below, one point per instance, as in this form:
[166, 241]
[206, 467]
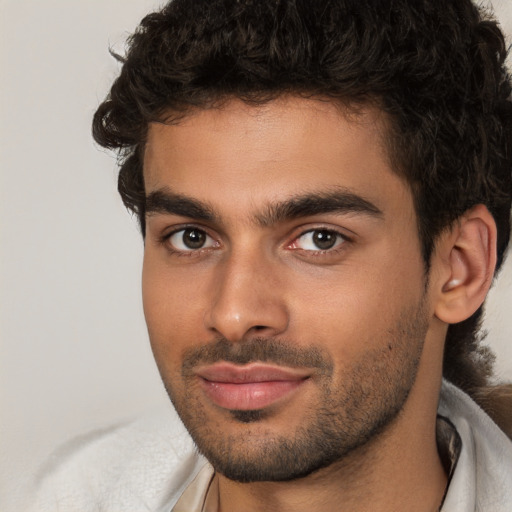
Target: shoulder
[483, 474]
[138, 465]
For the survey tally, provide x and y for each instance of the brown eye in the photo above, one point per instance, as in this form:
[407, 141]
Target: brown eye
[324, 239]
[318, 240]
[191, 239]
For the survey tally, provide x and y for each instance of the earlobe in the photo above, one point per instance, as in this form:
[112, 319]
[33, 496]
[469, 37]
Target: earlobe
[470, 264]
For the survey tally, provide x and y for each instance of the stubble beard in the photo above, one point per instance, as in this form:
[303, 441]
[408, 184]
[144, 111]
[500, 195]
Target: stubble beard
[360, 407]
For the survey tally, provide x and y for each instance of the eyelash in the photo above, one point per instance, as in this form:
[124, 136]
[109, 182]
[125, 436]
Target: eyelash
[341, 241]
[165, 241]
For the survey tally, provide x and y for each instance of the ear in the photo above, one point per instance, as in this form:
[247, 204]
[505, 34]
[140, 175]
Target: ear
[467, 255]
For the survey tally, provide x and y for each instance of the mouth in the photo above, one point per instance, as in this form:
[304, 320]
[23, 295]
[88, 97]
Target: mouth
[249, 387]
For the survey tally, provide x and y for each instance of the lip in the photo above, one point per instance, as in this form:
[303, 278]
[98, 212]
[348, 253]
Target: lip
[249, 387]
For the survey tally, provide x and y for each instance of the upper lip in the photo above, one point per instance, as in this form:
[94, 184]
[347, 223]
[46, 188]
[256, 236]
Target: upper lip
[254, 372]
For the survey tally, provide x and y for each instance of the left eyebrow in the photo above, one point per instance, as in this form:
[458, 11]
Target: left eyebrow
[338, 201]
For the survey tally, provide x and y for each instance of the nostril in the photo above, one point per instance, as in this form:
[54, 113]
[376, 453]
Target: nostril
[259, 327]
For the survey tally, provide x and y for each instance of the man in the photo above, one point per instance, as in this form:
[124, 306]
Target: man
[324, 191]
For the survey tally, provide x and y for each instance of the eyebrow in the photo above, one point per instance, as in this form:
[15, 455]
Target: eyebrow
[339, 200]
[168, 202]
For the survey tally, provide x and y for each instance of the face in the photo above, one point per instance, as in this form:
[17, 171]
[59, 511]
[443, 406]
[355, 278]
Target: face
[283, 284]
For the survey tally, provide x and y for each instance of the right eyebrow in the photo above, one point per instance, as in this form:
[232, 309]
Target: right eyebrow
[167, 202]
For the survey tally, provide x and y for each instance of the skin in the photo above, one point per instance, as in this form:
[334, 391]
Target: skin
[364, 305]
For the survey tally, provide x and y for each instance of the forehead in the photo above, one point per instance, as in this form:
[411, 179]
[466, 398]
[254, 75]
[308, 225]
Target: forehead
[239, 155]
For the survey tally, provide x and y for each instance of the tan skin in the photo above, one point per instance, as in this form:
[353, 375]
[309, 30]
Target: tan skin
[253, 278]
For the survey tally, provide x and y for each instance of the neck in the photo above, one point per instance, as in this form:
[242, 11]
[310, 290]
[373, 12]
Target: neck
[398, 483]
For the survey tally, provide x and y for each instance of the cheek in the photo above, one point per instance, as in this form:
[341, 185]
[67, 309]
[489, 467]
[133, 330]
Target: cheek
[357, 306]
[172, 312]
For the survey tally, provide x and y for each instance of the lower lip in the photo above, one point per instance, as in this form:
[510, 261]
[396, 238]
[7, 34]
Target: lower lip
[249, 396]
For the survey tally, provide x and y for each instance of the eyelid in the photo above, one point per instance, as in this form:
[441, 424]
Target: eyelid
[310, 230]
[165, 239]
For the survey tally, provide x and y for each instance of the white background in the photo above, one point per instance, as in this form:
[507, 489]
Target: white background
[74, 354]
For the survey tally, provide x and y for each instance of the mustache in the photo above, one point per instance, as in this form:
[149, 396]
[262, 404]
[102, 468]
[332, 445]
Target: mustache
[267, 350]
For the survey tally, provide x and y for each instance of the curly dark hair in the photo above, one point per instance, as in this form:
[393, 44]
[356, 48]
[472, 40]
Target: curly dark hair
[435, 67]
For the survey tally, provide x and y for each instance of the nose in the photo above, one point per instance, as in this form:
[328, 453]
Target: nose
[248, 299]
